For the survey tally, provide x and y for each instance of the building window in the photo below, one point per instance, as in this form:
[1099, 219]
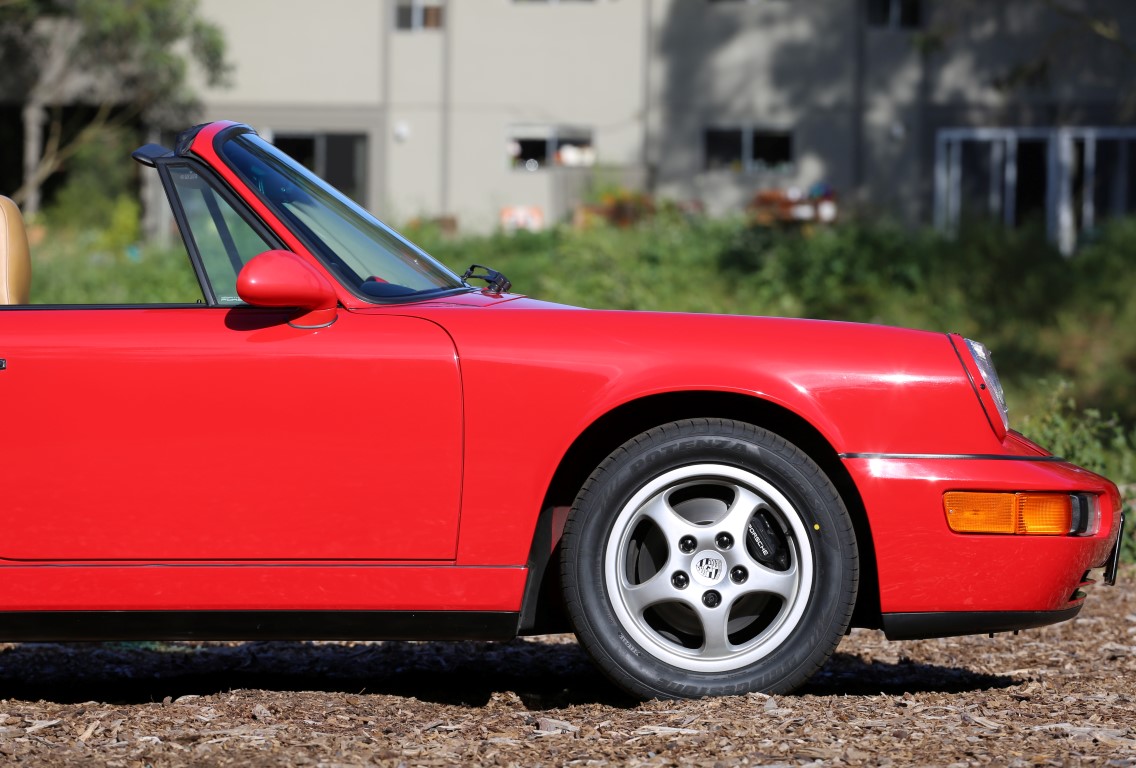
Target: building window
[338, 158]
[747, 149]
[724, 149]
[418, 14]
[894, 14]
[532, 148]
[1069, 178]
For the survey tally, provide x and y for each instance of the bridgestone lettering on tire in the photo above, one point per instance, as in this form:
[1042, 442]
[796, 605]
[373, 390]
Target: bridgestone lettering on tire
[709, 557]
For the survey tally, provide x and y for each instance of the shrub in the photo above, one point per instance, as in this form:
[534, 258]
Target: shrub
[1085, 437]
[72, 268]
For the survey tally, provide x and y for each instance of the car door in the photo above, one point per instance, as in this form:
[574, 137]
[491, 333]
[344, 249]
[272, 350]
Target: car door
[220, 433]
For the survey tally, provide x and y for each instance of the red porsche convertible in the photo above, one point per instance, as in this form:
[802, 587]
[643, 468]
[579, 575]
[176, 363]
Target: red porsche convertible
[346, 440]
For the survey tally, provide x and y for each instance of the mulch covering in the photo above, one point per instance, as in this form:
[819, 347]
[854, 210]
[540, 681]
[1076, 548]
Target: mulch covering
[1062, 695]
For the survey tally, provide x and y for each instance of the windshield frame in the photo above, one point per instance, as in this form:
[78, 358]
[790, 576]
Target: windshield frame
[394, 246]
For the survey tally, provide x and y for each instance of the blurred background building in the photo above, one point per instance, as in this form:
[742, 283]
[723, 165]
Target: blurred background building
[487, 113]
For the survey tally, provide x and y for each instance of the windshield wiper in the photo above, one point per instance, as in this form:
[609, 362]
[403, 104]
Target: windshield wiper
[498, 283]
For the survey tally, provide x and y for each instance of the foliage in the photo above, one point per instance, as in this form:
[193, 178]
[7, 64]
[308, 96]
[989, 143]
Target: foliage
[98, 193]
[125, 60]
[1086, 438]
[74, 268]
[1075, 32]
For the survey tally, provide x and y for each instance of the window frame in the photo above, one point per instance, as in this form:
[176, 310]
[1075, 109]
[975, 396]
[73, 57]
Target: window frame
[222, 189]
[553, 134]
[310, 240]
[750, 133]
[1065, 224]
[418, 15]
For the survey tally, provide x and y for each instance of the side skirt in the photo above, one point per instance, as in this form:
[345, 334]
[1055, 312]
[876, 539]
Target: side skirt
[65, 626]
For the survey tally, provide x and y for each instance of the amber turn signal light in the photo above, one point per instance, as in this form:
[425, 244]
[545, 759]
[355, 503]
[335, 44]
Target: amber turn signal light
[1037, 514]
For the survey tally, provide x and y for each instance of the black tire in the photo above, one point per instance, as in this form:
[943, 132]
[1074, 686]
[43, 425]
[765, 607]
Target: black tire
[666, 605]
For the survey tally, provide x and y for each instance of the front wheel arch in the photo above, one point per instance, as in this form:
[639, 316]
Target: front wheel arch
[542, 611]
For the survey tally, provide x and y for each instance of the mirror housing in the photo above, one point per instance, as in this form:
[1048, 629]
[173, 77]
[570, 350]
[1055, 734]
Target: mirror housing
[283, 279]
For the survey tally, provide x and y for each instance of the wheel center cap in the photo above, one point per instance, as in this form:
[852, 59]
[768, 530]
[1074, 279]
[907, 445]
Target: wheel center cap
[708, 568]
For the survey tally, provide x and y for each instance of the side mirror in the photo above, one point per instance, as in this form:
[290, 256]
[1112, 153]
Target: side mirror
[283, 279]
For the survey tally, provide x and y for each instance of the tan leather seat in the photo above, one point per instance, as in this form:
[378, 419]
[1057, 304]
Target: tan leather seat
[15, 262]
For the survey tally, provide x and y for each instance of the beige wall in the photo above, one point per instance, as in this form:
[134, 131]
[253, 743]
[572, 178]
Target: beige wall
[299, 53]
[574, 64]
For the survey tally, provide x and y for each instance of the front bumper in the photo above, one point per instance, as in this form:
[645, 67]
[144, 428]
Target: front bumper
[925, 568]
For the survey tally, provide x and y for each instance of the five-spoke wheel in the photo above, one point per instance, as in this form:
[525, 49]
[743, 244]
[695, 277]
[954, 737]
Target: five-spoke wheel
[709, 557]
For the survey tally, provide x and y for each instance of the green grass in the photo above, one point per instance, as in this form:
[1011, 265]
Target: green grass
[77, 268]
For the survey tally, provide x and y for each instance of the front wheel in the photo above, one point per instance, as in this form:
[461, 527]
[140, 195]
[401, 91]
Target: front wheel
[709, 557]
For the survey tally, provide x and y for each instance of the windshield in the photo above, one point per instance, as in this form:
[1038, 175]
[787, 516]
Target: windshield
[369, 258]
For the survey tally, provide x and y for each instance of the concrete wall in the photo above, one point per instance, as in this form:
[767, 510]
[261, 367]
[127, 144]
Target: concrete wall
[437, 104]
[322, 54]
[305, 68]
[648, 77]
[570, 64]
[767, 65]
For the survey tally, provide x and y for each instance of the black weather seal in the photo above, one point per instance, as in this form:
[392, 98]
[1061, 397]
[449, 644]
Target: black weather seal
[184, 140]
[148, 154]
[953, 457]
[228, 132]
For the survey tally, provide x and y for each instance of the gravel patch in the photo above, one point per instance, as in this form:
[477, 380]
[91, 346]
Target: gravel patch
[1062, 695]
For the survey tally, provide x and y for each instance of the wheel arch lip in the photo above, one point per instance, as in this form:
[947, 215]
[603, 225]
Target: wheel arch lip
[633, 416]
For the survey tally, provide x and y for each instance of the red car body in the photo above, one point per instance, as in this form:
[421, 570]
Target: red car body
[328, 465]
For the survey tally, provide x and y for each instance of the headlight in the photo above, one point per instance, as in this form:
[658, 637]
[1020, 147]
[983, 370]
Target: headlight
[987, 385]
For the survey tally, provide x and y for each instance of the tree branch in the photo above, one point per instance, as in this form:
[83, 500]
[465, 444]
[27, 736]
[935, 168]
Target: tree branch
[1105, 29]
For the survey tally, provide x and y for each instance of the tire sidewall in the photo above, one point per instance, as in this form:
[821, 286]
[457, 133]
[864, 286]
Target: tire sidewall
[735, 445]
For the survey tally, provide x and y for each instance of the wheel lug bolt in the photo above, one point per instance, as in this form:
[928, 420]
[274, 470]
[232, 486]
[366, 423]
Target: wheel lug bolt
[724, 540]
[680, 580]
[738, 574]
[687, 544]
[711, 599]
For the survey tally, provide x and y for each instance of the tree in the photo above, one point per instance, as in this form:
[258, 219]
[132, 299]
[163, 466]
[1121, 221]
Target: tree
[124, 61]
[1077, 33]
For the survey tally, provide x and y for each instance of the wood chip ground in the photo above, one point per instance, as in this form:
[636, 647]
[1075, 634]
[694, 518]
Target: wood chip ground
[1062, 696]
